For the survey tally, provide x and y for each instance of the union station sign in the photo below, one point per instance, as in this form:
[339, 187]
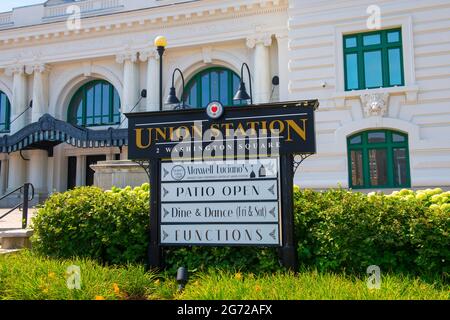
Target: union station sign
[287, 128]
[224, 176]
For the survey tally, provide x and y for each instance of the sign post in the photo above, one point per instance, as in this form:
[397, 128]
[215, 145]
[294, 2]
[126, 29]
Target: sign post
[154, 249]
[288, 250]
[223, 177]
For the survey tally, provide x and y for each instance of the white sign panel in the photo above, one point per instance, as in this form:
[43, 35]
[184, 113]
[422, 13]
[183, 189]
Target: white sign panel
[247, 234]
[232, 202]
[219, 170]
[220, 212]
[220, 191]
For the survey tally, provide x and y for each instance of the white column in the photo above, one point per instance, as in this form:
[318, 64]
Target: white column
[40, 90]
[261, 67]
[19, 99]
[152, 58]
[16, 171]
[81, 171]
[3, 176]
[131, 92]
[37, 170]
[283, 66]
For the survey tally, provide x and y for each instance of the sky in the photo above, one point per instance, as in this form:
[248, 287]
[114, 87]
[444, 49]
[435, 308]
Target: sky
[7, 5]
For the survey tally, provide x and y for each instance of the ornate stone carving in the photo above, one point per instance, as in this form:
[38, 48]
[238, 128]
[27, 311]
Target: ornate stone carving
[263, 38]
[126, 56]
[375, 104]
[148, 54]
[37, 67]
[17, 68]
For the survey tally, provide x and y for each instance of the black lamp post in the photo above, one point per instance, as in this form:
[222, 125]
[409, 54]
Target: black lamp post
[160, 43]
[242, 94]
[172, 98]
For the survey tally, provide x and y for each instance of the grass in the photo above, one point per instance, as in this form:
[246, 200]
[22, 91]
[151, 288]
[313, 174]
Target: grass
[27, 276]
[308, 285]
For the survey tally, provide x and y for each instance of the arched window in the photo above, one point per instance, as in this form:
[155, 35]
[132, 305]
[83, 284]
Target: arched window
[211, 84]
[378, 159]
[5, 109]
[96, 103]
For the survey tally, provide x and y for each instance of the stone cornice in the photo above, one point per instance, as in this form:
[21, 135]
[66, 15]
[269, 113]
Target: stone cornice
[152, 18]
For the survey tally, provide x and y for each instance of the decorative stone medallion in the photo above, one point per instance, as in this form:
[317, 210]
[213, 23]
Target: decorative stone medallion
[375, 104]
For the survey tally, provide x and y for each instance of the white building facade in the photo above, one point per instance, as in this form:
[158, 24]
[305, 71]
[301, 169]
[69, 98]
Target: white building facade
[380, 69]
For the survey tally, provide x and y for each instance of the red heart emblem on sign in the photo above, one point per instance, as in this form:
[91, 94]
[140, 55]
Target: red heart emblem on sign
[214, 109]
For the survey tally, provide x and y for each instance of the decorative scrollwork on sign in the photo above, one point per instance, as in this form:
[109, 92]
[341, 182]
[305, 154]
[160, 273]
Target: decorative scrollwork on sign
[299, 158]
[144, 164]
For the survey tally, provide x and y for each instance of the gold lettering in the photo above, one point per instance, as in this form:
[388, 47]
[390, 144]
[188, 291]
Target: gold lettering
[197, 132]
[227, 127]
[139, 143]
[241, 129]
[172, 138]
[161, 133]
[252, 126]
[291, 124]
[183, 132]
[280, 126]
[264, 127]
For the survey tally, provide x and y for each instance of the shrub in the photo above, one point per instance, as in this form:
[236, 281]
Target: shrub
[336, 230]
[342, 230]
[257, 260]
[111, 227]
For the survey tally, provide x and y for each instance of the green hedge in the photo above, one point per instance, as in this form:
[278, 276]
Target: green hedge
[87, 222]
[405, 231]
[336, 230]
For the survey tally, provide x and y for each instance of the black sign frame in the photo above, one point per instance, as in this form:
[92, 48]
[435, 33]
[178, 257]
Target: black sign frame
[288, 249]
[150, 130]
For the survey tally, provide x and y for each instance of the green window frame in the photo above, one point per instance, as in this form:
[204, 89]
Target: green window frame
[96, 103]
[5, 113]
[385, 69]
[378, 159]
[215, 83]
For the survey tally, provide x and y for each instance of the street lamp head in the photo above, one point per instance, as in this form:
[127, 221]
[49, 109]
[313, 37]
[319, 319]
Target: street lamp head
[241, 94]
[172, 98]
[161, 42]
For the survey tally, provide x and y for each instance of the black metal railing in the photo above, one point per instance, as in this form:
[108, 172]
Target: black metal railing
[28, 194]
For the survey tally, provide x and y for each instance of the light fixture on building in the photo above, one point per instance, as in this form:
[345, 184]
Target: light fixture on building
[160, 44]
[172, 98]
[242, 94]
